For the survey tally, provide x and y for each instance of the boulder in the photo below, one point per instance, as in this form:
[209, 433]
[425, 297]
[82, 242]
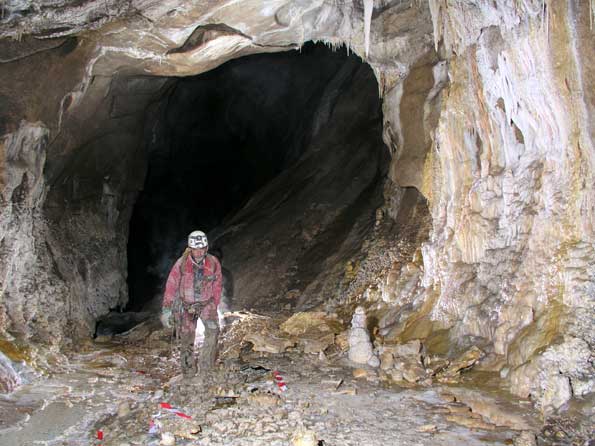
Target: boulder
[467, 360]
[387, 360]
[268, 343]
[303, 323]
[317, 344]
[435, 364]
[314, 331]
[411, 348]
[411, 371]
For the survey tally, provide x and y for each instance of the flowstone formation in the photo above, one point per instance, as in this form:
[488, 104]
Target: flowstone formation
[510, 179]
[485, 236]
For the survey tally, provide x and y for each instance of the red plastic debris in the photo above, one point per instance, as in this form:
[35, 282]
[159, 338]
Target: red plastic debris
[280, 382]
[100, 435]
[175, 411]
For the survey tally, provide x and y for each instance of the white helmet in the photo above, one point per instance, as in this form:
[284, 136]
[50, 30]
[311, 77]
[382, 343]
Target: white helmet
[198, 239]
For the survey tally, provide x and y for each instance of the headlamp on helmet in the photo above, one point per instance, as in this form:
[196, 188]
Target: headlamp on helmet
[197, 239]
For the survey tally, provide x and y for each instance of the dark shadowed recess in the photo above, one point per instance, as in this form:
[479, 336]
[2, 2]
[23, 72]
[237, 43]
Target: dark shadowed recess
[214, 140]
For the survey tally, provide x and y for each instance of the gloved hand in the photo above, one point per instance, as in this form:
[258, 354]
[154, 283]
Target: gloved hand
[166, 317]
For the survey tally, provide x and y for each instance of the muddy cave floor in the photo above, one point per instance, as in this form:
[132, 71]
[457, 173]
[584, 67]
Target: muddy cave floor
[114, 390]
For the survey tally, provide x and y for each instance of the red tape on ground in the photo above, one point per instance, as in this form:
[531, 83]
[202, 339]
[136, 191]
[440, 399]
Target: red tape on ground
[280, 383]
[175, 411]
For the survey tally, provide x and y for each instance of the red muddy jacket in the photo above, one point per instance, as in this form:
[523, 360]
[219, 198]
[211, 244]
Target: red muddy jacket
[181, 279]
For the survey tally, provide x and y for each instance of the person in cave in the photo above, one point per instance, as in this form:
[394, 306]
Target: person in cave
[193, 291]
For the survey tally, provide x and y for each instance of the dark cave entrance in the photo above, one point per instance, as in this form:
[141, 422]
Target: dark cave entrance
[215, 140]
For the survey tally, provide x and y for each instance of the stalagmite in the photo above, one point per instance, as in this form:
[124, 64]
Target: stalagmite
[360, 347]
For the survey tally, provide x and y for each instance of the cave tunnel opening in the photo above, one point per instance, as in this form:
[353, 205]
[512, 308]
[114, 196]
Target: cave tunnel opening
[278, 157]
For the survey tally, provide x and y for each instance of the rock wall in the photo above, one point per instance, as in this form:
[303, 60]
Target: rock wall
[509, 177]
[63, 255]
[29, 297]
[289, 244]
[512, 194]
[70, 171]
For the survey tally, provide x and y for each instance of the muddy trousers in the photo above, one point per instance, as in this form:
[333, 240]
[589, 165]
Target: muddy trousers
[208, 352]
[187, 360]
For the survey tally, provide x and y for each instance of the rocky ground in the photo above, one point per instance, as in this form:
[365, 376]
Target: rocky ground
[126, 390]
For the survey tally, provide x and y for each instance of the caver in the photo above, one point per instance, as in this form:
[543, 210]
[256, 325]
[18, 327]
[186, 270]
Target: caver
[193, 292]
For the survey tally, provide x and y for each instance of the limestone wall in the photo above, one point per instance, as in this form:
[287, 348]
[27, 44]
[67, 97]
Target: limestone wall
[510, 180]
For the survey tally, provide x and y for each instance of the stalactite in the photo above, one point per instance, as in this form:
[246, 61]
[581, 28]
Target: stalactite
[368, 7]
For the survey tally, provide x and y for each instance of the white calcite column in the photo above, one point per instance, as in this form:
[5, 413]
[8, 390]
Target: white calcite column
[360, 346]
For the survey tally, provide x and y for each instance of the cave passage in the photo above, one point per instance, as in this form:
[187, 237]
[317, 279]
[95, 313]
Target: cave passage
[258, 134]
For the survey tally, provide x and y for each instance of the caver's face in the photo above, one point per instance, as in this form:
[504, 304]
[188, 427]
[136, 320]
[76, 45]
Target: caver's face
[198, 253]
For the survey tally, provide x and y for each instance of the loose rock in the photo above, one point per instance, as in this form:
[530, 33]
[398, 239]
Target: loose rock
[123, 409]
[360, 373]
[167, 439]
[526, 438]
[305, 438]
